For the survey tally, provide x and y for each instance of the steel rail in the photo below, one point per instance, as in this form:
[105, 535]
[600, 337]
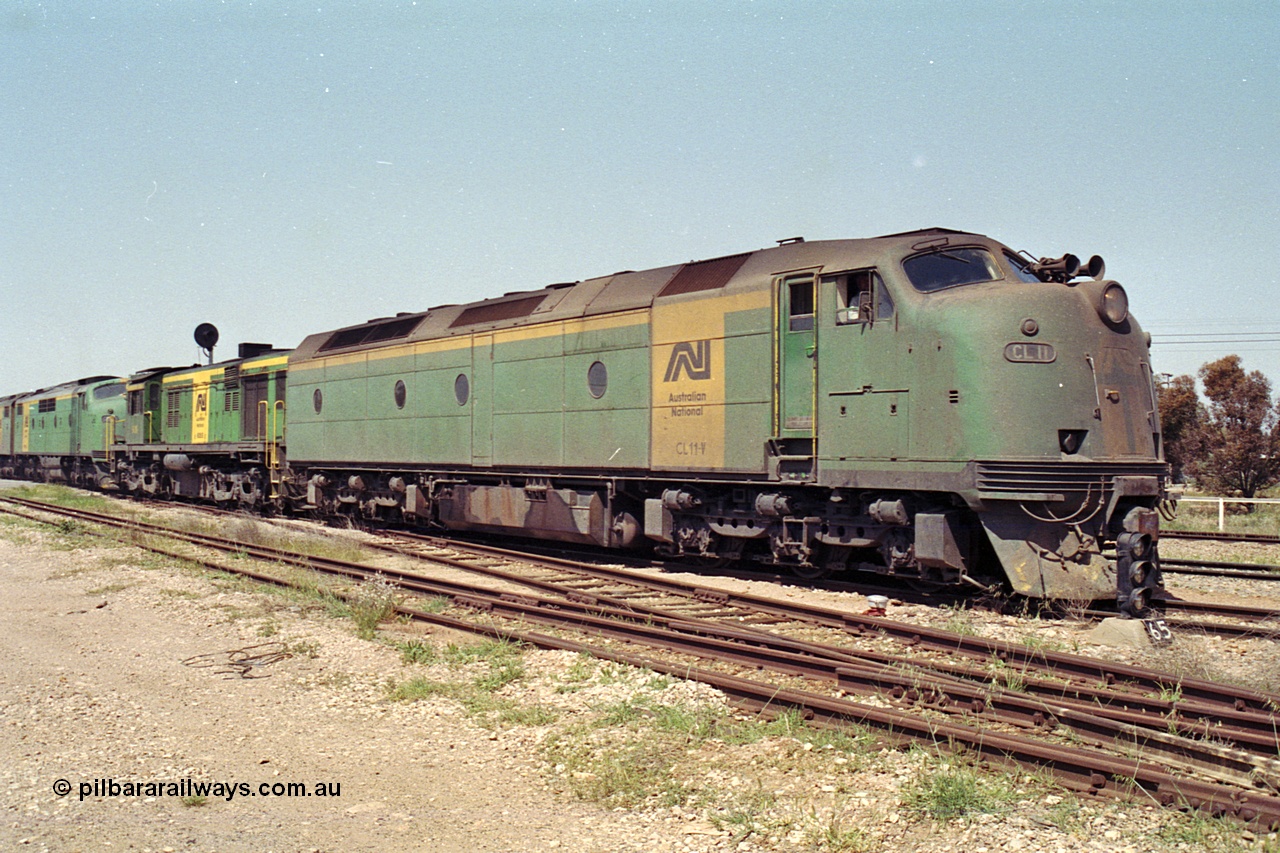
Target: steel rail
[1058, 664]
[1197, 794]
[1061, 664]
[752, 648]
[1213, 535]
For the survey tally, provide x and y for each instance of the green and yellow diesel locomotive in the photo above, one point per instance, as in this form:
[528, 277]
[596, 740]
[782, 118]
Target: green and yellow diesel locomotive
[930, 405]
[65, 433]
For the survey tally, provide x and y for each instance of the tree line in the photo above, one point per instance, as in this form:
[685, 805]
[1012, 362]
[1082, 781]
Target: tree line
[1227, 442]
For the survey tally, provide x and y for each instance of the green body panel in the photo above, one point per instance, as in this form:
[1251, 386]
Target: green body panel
[930, 389]
[615, 427]
[102, 412]
[8, 417]
[77, 420]
[233, 402]
[528, 403]
[867, 387]
[144, 421]
[442, 425]
[49, 432]
[748, 394]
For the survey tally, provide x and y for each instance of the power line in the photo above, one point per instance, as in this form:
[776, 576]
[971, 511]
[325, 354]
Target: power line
[1210, 334]
[1156, 341]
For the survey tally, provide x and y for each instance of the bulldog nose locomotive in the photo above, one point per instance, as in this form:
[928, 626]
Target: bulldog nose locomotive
[930, 405]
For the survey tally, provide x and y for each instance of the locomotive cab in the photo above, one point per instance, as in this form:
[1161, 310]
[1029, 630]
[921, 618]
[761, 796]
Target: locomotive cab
[1026, 393]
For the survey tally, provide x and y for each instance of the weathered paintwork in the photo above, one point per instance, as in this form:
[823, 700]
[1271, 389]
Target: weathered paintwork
[229, 402]
[810, 397]
[209, 431]
[63, 433]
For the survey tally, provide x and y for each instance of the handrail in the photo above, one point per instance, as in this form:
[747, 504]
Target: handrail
[108, 436]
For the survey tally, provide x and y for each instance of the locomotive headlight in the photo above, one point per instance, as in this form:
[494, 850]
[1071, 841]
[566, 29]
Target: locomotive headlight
[1114, 305]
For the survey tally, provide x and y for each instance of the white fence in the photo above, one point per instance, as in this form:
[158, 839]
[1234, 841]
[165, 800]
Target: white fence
[1222, 505]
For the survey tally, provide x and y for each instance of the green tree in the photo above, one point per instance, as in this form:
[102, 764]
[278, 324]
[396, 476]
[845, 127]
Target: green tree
[1238, 443]
[1182, 416]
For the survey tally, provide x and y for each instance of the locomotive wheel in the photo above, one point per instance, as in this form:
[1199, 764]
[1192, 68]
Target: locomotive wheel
[811, 573]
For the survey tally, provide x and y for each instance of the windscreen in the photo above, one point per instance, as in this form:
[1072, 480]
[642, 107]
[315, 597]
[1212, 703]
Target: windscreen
[951, 268]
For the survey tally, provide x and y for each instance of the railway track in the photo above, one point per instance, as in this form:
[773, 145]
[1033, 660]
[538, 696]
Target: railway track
[1214, 746]
[1217, 536]
[1249, 621]
[1222, 569]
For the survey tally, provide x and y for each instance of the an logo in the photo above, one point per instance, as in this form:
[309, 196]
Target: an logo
[693, 358]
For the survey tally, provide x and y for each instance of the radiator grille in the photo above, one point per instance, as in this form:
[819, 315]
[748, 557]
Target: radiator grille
[1060, 477]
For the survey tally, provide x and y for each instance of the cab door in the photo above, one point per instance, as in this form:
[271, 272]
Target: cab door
[796, 357]
[74, 419]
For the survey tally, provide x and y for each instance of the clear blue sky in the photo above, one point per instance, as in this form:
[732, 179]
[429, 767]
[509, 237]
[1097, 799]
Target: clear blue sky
[279, 168]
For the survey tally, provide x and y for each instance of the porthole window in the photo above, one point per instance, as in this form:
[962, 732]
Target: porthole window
[400, 393]
[597, 379]
[317, 400]
[461, 389]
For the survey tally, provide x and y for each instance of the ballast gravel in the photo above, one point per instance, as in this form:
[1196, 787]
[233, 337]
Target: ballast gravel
[94, 691]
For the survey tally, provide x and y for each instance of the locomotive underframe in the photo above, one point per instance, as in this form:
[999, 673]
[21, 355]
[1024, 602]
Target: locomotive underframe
[930, 537]
[1042, 545]
[84, 471]
[233, 475]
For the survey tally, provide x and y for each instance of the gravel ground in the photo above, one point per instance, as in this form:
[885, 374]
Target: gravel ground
[93, 687]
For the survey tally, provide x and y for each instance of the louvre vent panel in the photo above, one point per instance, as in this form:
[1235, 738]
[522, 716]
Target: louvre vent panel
[1023, 477]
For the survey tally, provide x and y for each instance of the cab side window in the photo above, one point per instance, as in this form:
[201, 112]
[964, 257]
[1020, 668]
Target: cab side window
[861, 297]
[801, 303]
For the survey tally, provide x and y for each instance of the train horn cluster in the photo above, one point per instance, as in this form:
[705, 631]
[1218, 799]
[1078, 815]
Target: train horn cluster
[1067, 267]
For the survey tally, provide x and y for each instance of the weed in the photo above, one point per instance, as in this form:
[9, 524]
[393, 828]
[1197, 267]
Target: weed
[951, 793]
[530, 715]
[416, 651]
[695, 724]
[373, 602]
[417, 689]
[1195, 829]
[961, 622]
[435, 604]
[195, 801]
[578, 675]
[618, 775]
[747, 817]
[835, 837]
[1011, 678]
[486, 650]
[304, 648]
[502, 671]
[1064, 814]
[624, 712]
